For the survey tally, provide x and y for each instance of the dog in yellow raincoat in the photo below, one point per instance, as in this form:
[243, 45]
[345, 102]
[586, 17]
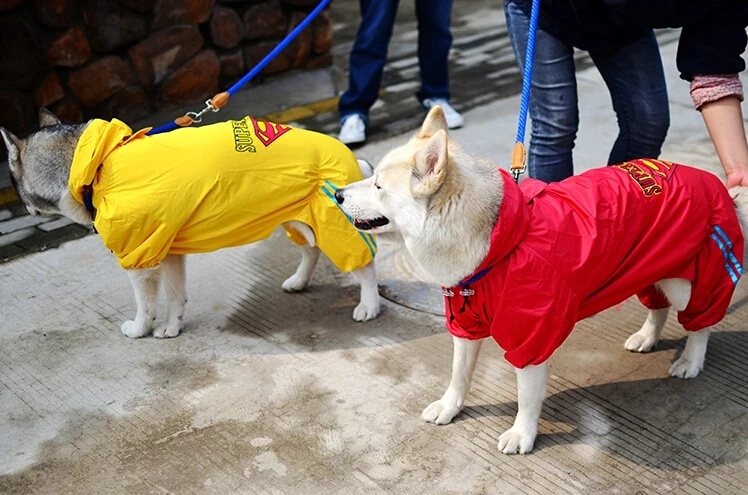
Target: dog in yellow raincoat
[154, 199]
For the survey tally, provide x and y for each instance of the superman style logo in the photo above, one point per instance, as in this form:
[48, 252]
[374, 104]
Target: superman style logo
[267, 132]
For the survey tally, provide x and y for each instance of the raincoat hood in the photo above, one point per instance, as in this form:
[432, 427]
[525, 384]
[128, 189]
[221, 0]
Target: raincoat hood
[509, 230]
[96, 143]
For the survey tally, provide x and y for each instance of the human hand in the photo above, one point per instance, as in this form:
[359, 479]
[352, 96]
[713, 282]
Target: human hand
[737, 177]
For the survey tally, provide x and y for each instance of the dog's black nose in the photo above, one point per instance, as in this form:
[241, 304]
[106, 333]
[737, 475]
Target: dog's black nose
[339, 196]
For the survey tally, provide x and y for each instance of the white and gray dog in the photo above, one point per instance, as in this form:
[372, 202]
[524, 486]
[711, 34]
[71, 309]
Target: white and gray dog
[219, 167]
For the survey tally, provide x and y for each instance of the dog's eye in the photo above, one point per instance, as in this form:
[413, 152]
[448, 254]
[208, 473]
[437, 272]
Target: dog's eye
[377, 186]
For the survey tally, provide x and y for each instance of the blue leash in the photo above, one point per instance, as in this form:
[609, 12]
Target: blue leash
[519, 154]
[219, 100]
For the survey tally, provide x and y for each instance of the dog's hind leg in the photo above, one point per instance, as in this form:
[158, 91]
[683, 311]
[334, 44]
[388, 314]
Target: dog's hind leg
[309, 257]
[442, 411]
[145, 284]
[299, 280]
[649, 334]
[368, 307]
[691, 362]
[176, 296]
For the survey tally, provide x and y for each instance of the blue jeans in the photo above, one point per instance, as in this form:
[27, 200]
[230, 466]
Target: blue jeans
[635, 79]
[369, 52]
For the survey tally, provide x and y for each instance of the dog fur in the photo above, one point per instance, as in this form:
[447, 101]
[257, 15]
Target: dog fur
[40, 168]
[442, 204]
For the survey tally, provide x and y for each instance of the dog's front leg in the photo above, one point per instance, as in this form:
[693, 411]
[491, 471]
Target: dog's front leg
[442, 411]
[531, 388]
[369, 307]
[176, 296]
[145, 283]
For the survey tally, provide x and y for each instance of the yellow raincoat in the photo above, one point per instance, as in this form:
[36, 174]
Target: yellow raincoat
[196, 190]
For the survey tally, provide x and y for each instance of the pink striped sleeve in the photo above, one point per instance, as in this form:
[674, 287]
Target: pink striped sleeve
[707, 88]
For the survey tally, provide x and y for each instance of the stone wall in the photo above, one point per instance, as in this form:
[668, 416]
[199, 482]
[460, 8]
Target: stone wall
[126, 58]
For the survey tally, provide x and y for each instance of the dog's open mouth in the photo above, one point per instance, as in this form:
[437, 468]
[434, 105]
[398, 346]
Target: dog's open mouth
[370, 224]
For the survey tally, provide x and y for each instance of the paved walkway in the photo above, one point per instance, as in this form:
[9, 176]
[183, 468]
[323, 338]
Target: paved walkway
[267, 392]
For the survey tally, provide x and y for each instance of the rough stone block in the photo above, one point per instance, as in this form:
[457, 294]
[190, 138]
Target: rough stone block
[156, 57]
[50, 91]
[69, 50]
[255, 52]
[21, 58]
[195, 81]
[171, 12]
[17, 112]
[264, 20]
[129, 105]
[111, 26]
[299, 49]
[100, 80]
[226, 28]
[142, 6]
[68, 112]
[55, 13]
[232, 65]
[322, 33]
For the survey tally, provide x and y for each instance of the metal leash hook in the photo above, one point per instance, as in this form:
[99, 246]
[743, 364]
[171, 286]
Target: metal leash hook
[518, 161]
[212, 105]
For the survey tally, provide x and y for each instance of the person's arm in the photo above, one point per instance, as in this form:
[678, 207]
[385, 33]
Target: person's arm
[710, 56]
[718, 98]
[724, 121]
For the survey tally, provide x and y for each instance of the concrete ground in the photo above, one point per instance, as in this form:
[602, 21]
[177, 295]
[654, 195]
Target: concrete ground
[267, 392]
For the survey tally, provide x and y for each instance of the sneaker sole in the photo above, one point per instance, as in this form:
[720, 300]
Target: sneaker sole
[360, 138]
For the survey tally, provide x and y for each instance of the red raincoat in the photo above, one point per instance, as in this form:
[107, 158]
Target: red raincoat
[562, 252]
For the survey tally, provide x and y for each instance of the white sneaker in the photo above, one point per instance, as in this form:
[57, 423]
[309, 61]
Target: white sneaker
[353, 130]
[454, 118]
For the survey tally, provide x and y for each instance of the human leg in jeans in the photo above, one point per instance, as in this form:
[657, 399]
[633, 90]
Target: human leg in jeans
[636, 80]
[434, 43]
[368, 57]
[553, 98]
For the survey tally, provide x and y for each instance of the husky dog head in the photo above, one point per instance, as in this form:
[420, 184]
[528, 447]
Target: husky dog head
[439, 201]
[40, 167]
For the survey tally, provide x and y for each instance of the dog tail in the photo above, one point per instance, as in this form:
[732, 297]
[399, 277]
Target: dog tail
[739, 196]
[366, 169]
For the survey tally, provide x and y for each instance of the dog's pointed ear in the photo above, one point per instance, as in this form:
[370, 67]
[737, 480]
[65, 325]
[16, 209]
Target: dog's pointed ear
[431, 165]
[47, 118]
[13, 144]
[435, 121]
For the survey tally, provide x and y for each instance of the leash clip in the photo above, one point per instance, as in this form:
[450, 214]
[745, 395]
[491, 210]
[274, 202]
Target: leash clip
[197, 117]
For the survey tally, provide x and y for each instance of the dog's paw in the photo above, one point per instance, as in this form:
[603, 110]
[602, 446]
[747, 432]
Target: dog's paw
[685, 368]
[167, 331]
[134, 330]
[440, 413]
[516, 440]
[294, 283]
[365, 312]
[640, 342]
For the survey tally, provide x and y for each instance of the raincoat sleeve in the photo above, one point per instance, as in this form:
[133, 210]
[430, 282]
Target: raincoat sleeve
[139, 240]
[535, 314]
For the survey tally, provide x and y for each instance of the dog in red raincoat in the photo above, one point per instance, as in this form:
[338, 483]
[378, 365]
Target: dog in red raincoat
[522, 264]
